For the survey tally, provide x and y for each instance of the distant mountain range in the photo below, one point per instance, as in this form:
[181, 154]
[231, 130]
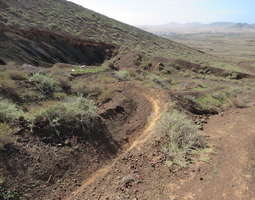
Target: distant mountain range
[216, 27]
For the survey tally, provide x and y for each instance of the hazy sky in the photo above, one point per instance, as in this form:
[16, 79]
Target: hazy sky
[142, 12]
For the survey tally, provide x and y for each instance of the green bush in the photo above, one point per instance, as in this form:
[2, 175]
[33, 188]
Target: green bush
[80, 72]
[182, 137]
[85, 89]
[215, 101]
[122, 75]
[75, 116]
[45, 84]
[162, 82]
[8, 194]
[109, 65]
[9, 112]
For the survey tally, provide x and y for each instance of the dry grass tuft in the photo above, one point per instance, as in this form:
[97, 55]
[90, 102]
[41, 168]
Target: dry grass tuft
[182, 136]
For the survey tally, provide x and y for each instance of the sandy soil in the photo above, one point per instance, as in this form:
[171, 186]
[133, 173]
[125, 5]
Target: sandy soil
[140, 173]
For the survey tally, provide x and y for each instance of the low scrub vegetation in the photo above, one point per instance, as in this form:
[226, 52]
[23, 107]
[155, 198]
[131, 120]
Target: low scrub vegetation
[86, 89]
[9, 112]
[79, 72]
[159, 80]
[215, 101]
[122, 75]
[46, 84]
[75, 116]
[182, 136]
[7, 194]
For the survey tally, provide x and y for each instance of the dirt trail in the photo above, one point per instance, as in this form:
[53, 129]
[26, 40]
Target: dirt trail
[143, 137]
[230, 173]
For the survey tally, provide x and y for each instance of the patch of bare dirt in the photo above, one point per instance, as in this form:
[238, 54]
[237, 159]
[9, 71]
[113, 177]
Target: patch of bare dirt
[95, 186]
[141, 173]
[248, 65]
[230, 173]
[34, 167]
[129, 60]
[126, 112]
[126, 115]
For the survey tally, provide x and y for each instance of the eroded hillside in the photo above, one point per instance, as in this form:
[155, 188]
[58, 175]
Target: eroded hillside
[65, 17]
[90, 106]
[43, 48]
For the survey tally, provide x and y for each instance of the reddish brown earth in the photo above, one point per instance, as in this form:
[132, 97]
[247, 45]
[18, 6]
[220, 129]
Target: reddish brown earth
[135, 146]
[140, 172]
[230, 173]
[129, 129]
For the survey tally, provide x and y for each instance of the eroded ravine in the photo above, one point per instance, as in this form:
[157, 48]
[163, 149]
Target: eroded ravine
[144, 136]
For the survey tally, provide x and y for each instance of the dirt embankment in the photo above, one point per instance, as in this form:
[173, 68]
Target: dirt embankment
[227, 174]
[39, 47]
[34, 166]
[182, 65]
[137, 145]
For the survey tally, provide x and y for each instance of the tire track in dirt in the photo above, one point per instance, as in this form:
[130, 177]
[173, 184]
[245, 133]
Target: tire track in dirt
[230, 173]
[142, 138]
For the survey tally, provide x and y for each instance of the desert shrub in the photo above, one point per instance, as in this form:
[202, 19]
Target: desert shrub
[75, 116]
[146, 65]
[83, 88]
[9, 111]
[159, 80]
[106, 95]
[31, 96]
[45, 84]
[17, 75]
[215, 101]
[182, 137]
[132, 73]
[122, 75]
[109, 64]
[59, 95]
[8, 194]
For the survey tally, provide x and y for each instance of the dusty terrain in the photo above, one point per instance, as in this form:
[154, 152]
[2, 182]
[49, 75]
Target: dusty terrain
[82, 102]
[230, 172]
[227, 172]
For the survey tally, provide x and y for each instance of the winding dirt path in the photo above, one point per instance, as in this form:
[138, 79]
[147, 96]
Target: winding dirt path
[230, 174]
[142, 138]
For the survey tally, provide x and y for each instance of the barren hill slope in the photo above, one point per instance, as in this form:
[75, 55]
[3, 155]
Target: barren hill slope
[63, 17]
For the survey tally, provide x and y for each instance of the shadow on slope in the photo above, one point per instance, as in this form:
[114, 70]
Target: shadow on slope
[38, 47]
